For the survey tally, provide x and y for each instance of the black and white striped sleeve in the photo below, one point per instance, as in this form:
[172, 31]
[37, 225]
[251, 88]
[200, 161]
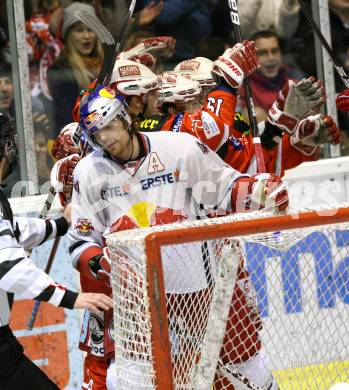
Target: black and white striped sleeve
[35, 231]
[19, 275]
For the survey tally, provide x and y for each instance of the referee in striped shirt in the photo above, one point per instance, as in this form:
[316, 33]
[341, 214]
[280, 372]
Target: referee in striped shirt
[19, 275]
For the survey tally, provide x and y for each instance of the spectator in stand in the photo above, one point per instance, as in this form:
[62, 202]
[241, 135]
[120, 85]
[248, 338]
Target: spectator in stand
[186, 20]
[7, 109]
[270, 77]
[280, 16]
[78, 64]
[6, 90]
[304, 37]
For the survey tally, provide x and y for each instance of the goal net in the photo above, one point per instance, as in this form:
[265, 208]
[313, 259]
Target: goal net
[233, 302]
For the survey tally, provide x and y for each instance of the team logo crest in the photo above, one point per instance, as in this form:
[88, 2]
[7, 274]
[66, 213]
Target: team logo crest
[84, 227]
[96, 329]
[236, 143]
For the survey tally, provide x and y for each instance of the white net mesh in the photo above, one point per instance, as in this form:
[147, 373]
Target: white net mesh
[287, 312]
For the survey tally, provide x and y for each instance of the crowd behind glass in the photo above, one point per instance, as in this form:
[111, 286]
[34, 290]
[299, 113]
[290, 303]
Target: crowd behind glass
[64, 56]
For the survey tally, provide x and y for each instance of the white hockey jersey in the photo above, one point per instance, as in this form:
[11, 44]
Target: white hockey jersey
[179, 178]
[18, 274]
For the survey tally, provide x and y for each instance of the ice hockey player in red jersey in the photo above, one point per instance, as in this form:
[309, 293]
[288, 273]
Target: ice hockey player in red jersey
[291, 135]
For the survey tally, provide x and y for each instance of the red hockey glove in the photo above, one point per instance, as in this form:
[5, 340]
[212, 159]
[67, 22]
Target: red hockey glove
[67, 142]
[146, 59]
[100, 267]
[313, 131]
[236, 63]
[295, 101]
[342, 101]
[261, 191]
[162, 46]
[62, 176]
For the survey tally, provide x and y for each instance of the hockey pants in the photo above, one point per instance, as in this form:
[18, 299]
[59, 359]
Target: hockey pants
[17, 372]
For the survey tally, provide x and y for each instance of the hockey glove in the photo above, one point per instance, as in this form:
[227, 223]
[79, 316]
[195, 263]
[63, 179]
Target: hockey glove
[162, 46]
[342, 101]
[313, 131]
[295, 101]
[100, 267]
[235, 64]
[260, 191]
[62, 177]
[67, 142]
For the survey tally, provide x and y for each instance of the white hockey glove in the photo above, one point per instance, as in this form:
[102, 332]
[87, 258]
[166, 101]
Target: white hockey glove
[236, 63]
[294, 102]
[313, 131]
[260, 191]
[62, 177]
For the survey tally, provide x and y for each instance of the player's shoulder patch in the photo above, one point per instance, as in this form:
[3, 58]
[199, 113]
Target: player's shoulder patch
[209, 125]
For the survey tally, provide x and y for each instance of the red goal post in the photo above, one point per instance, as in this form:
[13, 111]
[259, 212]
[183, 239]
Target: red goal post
[171, 324]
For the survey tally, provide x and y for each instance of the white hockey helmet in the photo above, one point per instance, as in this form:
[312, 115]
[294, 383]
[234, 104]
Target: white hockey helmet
[177, 89]
[198, 69]
[132, 78]
[98, 109]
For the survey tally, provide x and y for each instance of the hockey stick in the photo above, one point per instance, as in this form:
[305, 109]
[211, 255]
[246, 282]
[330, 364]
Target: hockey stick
[111, 50]
[234, 16]
[233, 372]
[341, 72]
[50, 258]
[47, 270]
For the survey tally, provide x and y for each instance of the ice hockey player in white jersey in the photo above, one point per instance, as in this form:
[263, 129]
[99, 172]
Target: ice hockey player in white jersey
[134, 180]
[19, 275]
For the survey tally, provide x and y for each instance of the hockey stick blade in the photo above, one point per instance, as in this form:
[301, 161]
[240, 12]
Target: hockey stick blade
[341, 72]
[94, 24]
[107, 41]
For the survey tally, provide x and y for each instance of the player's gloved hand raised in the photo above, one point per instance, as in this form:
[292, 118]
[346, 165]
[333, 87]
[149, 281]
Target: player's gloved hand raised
[100, 267]
[236, 63]
[146, 59]
[162, 46]
[260, 191]
[342, 101]
[294, 102]
[62, 176]
[313, 131]
[67, 142]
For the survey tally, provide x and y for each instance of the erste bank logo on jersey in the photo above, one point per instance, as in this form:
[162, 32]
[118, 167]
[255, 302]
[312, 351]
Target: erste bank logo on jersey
[145, 184]
[159, 180]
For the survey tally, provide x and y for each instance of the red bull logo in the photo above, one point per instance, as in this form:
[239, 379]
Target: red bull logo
[84, 227]
[93, 120]
[144, 214]
[107, 93]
